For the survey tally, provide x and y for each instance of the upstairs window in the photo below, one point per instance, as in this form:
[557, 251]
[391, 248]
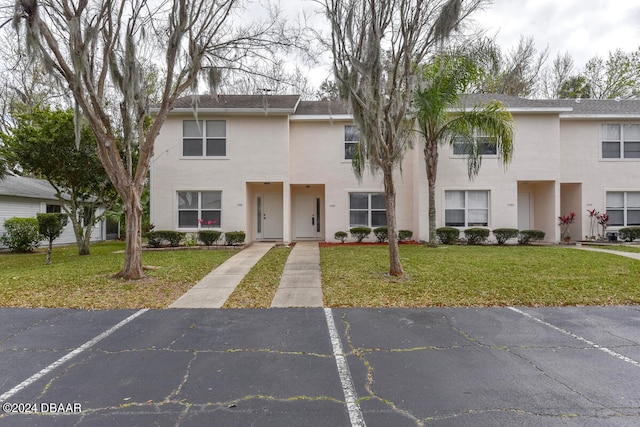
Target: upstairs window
[621, 141]
[466, 208]
[204, 138]
[351, 139]
[486, 145]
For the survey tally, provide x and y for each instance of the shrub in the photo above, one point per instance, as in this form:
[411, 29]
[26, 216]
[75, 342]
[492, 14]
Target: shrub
[191, 239]
[21, 234]
[234, 237]
[359, 233]
[475, 236]
[382, 234]
[173, 237]
[209, 237]
[447, 235]
[340, 235]
[504, 234]
[154, 239]
[405, 235]
[50, 225]
[527, 236]
[629, 233]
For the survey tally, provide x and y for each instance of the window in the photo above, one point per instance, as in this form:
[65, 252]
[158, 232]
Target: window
[367, 210]
[206, 138]
[54, 208]
[351, 139]
[623, 208]
[486, 145]
[199, 209]
[621, 141]
[466, 208]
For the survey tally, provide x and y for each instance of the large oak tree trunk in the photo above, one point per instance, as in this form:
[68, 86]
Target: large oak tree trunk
[132, 269]
[395, 267]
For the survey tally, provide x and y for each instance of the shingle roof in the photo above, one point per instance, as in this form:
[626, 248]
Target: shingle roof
[581, 107]
[322, 108]
[240, 102]
[20, 186]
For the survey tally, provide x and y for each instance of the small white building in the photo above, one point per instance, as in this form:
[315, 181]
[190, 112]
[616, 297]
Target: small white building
[280, 169]
[26, 197]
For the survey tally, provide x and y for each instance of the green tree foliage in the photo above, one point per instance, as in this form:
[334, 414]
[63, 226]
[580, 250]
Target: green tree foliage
[50, 226]
[574, 87]
[43, 143]
[617, 77]
[21, 234]
[443, 82]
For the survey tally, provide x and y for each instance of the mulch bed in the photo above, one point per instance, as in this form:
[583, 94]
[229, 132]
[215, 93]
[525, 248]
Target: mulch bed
[365, 244]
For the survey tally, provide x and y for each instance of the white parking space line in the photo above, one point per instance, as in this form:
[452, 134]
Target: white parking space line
[350, 395]
[579, 338]
[26, 383]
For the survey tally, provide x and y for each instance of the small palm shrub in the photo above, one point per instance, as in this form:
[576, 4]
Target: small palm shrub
[340, 235]
[209, 237]
[448, 235]
[504, 234]
[382, 234]
[527, 236]
[405, 235]
[360, 233]
[475, 236]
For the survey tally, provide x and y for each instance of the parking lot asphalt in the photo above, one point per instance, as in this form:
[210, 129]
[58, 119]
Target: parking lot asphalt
[565, 366]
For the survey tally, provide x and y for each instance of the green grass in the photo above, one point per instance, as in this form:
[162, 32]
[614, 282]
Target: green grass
[478, 276]
[259, 286]
[86, 282]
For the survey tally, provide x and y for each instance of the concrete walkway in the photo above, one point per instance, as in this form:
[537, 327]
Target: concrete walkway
[300, 284]
[214, 289]
[634, 255]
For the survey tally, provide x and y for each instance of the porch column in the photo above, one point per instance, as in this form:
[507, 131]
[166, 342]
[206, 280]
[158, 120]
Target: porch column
[286, 212]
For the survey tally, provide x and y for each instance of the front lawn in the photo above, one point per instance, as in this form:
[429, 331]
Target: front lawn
[478, 276]
[73, 281]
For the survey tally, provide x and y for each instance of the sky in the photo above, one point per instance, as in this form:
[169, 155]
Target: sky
[583, 28]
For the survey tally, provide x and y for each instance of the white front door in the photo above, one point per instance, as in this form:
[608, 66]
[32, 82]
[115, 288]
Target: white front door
[272, 216]
[306, 213]
[524, 211]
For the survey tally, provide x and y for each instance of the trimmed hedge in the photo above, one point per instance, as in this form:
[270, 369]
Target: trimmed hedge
[156, 238]
[504, 234]
[382, 234]
[475, 236]
[234, 237]
[527, 236]
[629, 234]
[448, 235]
[21, 234]
[340, 235]
[359, 233]
[209, 237]
[405, 235]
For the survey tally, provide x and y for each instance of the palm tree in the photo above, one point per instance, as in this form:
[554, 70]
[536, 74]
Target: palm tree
[442, 120]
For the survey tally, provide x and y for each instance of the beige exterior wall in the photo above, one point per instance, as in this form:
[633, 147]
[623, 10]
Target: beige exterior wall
[556, 168]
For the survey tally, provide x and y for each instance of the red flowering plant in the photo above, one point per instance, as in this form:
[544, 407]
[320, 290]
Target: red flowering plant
[593, 222]
[208, 222]
[565, 222]
[603, 219]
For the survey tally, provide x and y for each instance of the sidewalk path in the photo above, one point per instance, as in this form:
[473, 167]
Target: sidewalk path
[300, 284]
[634, 255]
[214, 289]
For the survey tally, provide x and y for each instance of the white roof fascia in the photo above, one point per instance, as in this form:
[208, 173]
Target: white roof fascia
[601, 116]
[318, 117]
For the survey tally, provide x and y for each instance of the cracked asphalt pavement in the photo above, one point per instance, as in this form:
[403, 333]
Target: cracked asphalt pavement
[563, 366]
